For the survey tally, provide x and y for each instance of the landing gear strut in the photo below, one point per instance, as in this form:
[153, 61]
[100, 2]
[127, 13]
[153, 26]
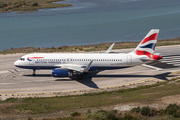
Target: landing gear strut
[85, 73]
[80, 76]
[34, 72]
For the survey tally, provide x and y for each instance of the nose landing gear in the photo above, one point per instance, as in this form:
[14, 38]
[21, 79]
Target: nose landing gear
[34, 72]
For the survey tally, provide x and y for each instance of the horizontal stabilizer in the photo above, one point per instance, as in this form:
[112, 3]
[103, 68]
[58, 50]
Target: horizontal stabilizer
[144, 59]
[152, 67]
[157, 53]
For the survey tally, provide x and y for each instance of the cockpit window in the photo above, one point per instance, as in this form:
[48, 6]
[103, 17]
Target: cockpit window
[22, 59]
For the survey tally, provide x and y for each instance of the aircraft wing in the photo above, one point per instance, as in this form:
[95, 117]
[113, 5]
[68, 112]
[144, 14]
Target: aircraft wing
[74, 67]
[70, 67]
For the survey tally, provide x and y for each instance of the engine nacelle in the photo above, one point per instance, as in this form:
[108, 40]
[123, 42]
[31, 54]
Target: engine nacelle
[61, 73]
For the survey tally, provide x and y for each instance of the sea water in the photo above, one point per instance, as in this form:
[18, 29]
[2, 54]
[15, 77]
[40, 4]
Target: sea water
[90, 22]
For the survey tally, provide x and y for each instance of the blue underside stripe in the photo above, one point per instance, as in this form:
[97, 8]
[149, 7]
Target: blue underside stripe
[49, 67]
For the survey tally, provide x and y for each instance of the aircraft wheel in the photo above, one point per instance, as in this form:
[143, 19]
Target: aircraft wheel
[85, 73]
[80, 77]
[34, 72]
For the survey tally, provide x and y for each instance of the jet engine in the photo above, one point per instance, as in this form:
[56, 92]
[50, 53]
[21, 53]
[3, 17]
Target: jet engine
[61, 73]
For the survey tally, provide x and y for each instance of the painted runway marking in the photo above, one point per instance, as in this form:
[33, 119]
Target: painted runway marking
[27, 82]
[4, 71]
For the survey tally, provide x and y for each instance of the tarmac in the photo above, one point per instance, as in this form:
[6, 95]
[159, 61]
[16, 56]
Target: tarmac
[16, 82]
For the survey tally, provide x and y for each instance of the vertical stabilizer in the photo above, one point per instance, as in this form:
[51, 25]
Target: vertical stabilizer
[148, 44]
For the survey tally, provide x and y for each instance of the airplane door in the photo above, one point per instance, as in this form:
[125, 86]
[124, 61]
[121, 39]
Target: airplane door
[31, 61]
[129, 59]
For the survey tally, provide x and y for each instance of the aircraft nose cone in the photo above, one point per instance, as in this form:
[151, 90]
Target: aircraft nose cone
[16, 63]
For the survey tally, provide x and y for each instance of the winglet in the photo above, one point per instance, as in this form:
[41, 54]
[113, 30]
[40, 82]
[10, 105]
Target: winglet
[88, 67]
[110, 48]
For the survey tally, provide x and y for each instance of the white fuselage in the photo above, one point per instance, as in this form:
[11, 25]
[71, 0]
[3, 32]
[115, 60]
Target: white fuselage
[52, 60]
[82, 63]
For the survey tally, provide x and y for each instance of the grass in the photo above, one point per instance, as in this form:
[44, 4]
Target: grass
[87, 48]
[28, 5]
[143, 94]
[147, 94]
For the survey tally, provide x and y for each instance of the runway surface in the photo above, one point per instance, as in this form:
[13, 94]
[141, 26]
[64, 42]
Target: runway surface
[20, 81]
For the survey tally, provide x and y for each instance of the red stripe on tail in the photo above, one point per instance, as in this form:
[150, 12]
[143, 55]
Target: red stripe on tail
[151, 56]
[151, 37]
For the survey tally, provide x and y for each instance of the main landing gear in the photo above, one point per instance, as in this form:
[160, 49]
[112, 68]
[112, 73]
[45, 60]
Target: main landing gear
[85, 73]
[80, 76]
[34, 72]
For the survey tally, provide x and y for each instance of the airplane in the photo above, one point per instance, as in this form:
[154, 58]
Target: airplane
[77, 64]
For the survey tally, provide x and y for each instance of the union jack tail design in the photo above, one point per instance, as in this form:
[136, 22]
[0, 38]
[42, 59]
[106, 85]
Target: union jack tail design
[148, 44]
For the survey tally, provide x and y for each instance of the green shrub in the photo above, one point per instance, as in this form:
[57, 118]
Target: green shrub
[9, 3]
[28, 3]
[174, 110]
[11, 99]
[2, 5]
[6, 9]
[145, 111]
[171, 109]
[177, 114]
[111, 115]
[75, 114]
[80, 48]
[64, 118]
[34, 4]
[161, 111]
[153, 111]
[30, 118]
[136, 109]
[21, 3]
[16, 6]
[89, 111]
[15, 3]
[129, 117]
[100, 115]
